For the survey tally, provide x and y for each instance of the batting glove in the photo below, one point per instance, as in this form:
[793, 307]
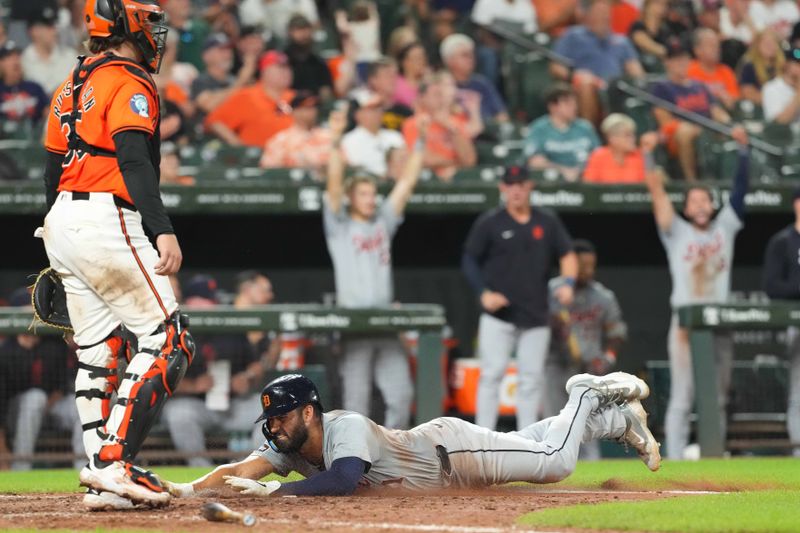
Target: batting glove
[251, 487]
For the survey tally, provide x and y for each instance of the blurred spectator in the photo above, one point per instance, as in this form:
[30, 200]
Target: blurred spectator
[45, 61]
[190, 29]
[343, 66]
[707, 69]
[274, 15]
[20, 12]
[519, 13]
[623, 15]
[708, 14]
[34, 382]
[170, 166]
[369, 147]
[560, 140]
[176, 107]
[248, 48]
[650, 34]
[735, 21]
[598, 56]
[359, 238]
[72, 30]
[781, 96]
[777, 15]
[681, 17]
[3, 35]
[555, 16]
[23, 103]
[223, 17]
[620, 161]
[252, 115]
[362, 26]
[310, 72]
[413, 65]
[215, 83]
[762, 62]
[448, 145]
[679, 136]
[303, 144]
[458, 54]
[399, 39]
[216, 390]
[382, 80]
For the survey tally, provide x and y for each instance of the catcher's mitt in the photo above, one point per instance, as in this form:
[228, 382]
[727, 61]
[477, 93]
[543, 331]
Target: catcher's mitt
[50, 300]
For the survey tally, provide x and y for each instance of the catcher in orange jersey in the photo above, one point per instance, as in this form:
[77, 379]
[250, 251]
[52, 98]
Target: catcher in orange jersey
[102, 190]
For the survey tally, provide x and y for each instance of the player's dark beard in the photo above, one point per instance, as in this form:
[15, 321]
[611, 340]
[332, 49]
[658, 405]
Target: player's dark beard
[294, 442]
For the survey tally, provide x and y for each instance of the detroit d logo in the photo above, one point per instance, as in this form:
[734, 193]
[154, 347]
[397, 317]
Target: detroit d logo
[265, 401]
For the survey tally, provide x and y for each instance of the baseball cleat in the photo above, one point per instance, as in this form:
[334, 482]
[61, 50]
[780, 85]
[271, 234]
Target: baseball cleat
[616, 387]
[638, 436]
[95, 500]
[126, 480]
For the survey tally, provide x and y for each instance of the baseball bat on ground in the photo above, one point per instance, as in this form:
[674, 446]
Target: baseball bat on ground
[216, 512]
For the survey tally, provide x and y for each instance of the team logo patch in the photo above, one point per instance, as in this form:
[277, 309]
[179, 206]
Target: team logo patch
[140, 106]
[265, 401]
[538, 232]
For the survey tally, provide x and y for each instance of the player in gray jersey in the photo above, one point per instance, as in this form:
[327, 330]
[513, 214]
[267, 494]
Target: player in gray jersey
[586, 334]
[700, 254]
[359, 237]
[340, 451]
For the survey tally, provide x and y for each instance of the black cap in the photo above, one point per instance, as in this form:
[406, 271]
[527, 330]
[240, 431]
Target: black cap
[304, 99]
[46, 17]
[676, 47]
[515, 174]
[8, 48]
[287, 393]
[201, 286]
[299, 21]
[217, 39]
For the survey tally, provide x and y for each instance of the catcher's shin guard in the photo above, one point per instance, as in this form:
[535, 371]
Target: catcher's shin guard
[151, 377]
[95, 383]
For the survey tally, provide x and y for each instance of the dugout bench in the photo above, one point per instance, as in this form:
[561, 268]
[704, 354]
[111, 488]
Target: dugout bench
[702, 320]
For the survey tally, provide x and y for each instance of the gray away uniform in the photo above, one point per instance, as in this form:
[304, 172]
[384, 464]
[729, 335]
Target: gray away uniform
[362, 264]
[700, 265]
[543, 452]
[594, 318]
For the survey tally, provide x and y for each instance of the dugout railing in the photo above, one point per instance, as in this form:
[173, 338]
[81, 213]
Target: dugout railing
[426, 319]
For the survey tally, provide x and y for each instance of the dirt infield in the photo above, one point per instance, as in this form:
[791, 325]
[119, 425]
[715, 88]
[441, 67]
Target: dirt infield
[482, 511]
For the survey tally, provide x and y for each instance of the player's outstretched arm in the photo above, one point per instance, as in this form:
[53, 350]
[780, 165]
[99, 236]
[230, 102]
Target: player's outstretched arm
[253, 467]
[410, 176]
[334, 186]
[663, 210]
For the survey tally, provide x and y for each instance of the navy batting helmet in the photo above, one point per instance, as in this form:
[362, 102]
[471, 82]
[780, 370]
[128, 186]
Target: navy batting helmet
[285, 394]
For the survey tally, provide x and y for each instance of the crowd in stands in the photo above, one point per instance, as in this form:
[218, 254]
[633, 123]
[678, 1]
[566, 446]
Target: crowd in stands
[265, 74]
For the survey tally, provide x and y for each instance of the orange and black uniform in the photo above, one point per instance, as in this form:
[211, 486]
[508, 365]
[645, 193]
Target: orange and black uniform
[117, 146]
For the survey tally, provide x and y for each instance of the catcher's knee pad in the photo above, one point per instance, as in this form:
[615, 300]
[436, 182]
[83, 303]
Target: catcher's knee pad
[95, 383]
[152, 376]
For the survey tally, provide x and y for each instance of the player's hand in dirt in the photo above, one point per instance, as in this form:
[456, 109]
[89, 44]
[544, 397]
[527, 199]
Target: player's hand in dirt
[170, 254]
[492, 301]
[251, 487]
[178, 490]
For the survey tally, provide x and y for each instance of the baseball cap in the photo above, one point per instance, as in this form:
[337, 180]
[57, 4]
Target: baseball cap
[45, 17]
[272, 57]
[304, 99]
[676, 47]
[515, 174]
[217, 40]
[299, 21]
[8, 48]
[201, 286]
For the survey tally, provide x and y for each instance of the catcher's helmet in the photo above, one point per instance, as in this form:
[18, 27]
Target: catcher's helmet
[141, 21]
[285, 394]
